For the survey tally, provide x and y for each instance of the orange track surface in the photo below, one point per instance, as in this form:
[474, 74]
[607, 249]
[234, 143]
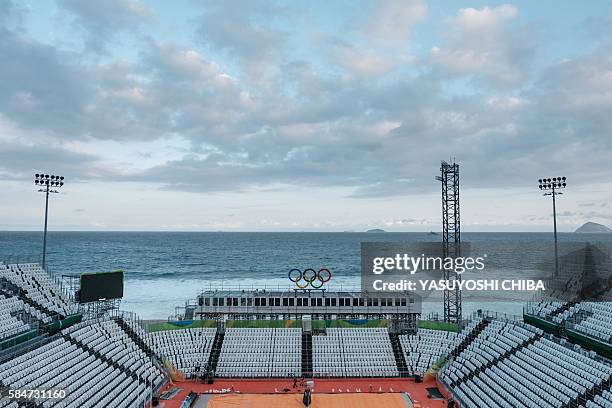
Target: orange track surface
[318, 400]
[381, 388]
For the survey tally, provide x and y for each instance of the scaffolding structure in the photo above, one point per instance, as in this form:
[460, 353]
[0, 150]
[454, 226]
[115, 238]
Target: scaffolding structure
[451, 237]
[69, 285]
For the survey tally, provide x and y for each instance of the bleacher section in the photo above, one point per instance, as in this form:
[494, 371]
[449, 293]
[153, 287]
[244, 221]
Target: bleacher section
[546, 308]
[110, 342]
[9, 324]
[114, 361]
[468, 334]
[136, 332]
[38, 289]
[426, 347]
[601, 401]
[96, 360]
[7, 403]
[511, 363]
[591, 318]
[598, 324]
[359, 352]
[249, 352]
[186, 349]
[62, 364]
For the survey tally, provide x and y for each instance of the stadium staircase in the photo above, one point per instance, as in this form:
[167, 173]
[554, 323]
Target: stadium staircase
[215, 351]
[99, 355]
[563, 308]
[400, 360]
[499, 358]
[134, 336]
[470, 337]
[306, 355]
[589, 395]
[104, 359]
[25, 317]
[10, 289]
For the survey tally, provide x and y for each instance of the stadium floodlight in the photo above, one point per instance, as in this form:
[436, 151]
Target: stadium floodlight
[550, 185]
[48, 184]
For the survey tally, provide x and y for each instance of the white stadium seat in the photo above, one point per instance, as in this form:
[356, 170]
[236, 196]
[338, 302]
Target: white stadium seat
[268, 352]
[352, 352]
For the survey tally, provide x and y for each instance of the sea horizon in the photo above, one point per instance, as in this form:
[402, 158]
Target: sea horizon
[164, 269]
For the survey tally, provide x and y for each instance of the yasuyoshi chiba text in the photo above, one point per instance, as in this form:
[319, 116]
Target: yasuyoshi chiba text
[467, 284]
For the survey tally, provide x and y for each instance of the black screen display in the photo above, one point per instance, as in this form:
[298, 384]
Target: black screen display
[99, 286]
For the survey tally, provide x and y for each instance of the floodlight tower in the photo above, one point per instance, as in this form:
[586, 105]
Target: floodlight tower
[47, 184]
[451, 237]
[551, 185]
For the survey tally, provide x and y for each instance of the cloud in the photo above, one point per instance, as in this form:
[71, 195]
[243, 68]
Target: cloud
[244, 31]
[11, 14]
[579, 86]
[358, 60]
[357, 121]
[389, 22]
[594, 215]
[482, 43]
[20, 161]
[39, 89]
[102, 20]
[598, 27]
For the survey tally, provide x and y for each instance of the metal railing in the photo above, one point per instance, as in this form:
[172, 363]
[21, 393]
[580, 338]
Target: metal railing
[288, 287]
[496, 315]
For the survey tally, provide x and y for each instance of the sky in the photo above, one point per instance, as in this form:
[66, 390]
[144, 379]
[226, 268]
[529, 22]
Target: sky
[303, 115]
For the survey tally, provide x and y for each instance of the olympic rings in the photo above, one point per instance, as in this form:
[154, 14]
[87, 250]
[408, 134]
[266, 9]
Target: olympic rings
[299, 276]
[309, 277]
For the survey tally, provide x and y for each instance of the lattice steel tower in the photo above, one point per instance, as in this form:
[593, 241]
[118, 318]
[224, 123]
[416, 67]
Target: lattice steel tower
[451, 236]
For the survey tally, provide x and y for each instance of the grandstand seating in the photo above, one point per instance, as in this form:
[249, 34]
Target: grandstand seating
[599, 323]
[108, 339]
[135, 327]
[351, 352]
[9, 324]
[186, 349]
[511, 363]
[96, 361]
[61, 364]
[111, 362]
[591, 318]
[426, 347]
[269, 352]
[7, 403]
[545, 308]
[38, 288]
[601, 401]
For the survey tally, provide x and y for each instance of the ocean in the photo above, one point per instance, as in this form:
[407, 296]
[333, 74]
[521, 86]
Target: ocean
[164, 269]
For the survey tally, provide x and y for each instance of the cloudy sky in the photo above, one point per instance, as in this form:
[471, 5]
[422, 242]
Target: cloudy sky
[302, 115]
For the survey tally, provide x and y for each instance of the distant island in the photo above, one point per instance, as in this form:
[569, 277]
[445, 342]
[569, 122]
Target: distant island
[592, 227]
[376, 230]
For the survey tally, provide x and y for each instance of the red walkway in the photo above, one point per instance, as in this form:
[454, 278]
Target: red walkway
[417, 392]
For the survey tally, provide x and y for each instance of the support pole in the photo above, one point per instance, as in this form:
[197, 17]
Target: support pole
[555, 228]
[44, 256]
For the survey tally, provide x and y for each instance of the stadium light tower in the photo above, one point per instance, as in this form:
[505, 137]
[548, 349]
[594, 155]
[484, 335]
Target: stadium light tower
[550, 186]
[451, 238]
[48, 184]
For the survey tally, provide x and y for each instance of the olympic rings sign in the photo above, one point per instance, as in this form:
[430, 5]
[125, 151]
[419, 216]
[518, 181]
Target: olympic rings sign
[309, 278]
